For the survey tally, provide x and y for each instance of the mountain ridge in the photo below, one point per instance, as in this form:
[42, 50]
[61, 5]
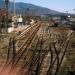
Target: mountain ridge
[22, 7]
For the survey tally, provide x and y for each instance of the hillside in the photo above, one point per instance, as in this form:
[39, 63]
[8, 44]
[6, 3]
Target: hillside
[22, 7]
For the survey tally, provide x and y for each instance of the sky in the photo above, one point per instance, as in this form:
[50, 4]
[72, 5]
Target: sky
[58, 5]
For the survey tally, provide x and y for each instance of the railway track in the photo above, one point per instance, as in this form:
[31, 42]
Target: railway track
[57, 54]
[34, 64]
[24, 48]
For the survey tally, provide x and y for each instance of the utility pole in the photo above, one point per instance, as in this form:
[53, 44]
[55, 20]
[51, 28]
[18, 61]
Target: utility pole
[28, 12]
[14, 7]
[6, 16]
[13, 13]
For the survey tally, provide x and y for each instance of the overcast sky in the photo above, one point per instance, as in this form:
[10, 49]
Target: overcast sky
[59, 5]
